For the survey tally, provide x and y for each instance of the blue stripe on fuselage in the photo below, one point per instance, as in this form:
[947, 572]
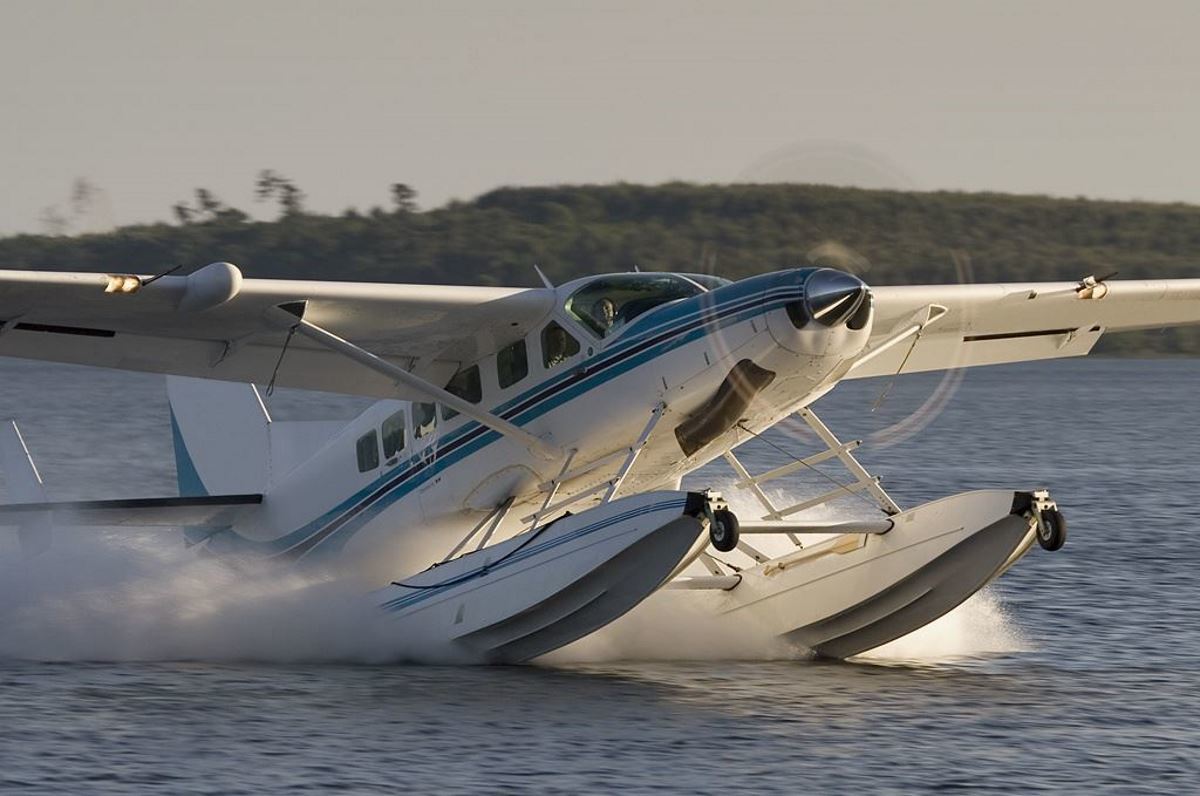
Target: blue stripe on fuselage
[666, 328]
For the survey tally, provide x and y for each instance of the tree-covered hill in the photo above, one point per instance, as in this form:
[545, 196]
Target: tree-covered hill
[888, 237]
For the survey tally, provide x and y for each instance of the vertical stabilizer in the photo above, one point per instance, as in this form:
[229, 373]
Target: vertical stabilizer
[221, 432]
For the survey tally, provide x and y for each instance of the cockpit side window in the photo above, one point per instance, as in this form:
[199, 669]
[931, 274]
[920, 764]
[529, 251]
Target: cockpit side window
[557, 345]
[424, 419]
[466, 385]
[393, 434]
[607, 304]
[367, 449]
[512, 364]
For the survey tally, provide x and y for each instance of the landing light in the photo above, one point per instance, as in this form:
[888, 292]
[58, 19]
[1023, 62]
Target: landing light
[122, 283]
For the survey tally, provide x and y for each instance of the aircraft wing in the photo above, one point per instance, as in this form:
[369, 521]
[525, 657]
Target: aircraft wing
[996, 323]
[213, 324]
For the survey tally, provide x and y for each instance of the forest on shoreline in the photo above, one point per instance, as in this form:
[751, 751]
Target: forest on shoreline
[887, 237]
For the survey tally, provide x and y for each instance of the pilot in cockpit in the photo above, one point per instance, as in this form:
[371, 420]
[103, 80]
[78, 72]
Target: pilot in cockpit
[604, 312]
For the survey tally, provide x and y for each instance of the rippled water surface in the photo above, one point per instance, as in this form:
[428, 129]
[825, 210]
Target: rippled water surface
[1076, 671]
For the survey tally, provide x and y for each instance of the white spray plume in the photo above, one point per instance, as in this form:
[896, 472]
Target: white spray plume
[140, 596]
[127, 596]
[980, 626]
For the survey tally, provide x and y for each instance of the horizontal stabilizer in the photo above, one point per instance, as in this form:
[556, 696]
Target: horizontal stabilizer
[211, 511]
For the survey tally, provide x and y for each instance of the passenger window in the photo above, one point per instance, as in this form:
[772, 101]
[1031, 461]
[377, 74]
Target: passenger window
[424, 419]
[368, 451]
[393, 435]
[512, 364]
[466, 385]
[557, 346]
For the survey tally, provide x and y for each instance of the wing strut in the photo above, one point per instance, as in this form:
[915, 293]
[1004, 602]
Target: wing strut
[922, 318]
[292, 316]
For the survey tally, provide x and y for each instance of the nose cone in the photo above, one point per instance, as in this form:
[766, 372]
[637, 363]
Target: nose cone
[832, 316]
[834, 297]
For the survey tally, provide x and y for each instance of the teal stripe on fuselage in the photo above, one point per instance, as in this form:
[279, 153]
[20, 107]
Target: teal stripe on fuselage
[417, 473]
[585, 385]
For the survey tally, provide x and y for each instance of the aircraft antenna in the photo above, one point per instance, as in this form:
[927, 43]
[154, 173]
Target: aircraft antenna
[157, 277]
[545, 279]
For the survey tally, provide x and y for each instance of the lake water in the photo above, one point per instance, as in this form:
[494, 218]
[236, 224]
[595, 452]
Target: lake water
[1077, 671]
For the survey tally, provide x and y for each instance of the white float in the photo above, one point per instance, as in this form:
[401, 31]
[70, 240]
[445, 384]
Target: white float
[544, 588]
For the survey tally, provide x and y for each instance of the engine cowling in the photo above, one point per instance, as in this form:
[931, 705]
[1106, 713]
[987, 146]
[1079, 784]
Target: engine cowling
[833, 317]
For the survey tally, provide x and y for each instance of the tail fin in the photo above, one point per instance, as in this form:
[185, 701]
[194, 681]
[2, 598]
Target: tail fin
[24, 486]
[221, 435]
[226, 442]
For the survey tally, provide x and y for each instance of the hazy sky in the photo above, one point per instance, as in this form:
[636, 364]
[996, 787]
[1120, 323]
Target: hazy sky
[149, 100]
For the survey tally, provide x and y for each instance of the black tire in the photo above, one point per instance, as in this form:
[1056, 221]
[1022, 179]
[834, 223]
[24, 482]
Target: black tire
[724, 531]
[1052, 530]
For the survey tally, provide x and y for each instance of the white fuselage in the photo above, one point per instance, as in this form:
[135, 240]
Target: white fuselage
[593, 404]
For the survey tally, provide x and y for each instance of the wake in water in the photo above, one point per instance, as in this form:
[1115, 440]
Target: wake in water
[140, 596]
[980, 626]
[126, 596]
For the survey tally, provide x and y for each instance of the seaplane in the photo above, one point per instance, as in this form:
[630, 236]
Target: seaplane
[517, 482]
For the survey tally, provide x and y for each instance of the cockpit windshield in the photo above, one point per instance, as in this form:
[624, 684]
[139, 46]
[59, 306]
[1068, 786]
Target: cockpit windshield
[709, 281]
[607, 304]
